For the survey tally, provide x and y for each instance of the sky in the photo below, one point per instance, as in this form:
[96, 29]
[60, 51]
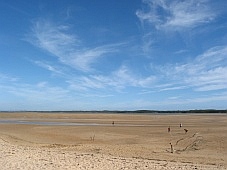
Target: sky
[113, 55]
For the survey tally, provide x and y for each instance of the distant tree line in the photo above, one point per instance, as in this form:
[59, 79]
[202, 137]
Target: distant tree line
[136, 111]
[172, 111]
[182, 111]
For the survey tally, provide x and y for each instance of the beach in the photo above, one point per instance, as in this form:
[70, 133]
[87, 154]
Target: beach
[33, 140]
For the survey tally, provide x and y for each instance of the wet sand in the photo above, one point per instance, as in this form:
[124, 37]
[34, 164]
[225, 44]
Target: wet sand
[91, 141]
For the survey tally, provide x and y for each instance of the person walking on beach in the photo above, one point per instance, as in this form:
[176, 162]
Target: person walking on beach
[180, 125]
[168, 129]
[171, 147]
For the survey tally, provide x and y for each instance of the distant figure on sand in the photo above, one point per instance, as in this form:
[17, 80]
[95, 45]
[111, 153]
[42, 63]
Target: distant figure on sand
[113, 123]
[180, 125]
[171, 147]
[168, 129]
[186, 130]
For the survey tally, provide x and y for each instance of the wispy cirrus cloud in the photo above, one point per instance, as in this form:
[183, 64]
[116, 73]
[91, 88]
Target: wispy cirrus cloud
[60, 42]
[39, 96]
[117, 80]
[125, 76]
[176, 14]
[177, 102]
[6, 77]
[83, 59]
[41, 91]
[51, 68]
[207, 72]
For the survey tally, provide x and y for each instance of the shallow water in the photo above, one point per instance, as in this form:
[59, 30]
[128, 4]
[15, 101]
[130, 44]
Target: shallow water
[51, 123]
[25, 122]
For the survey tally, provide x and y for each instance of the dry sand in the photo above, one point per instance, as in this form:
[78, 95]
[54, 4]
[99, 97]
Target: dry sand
[90, 141]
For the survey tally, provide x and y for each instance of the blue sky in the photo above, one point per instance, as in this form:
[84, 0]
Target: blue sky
[113, 55]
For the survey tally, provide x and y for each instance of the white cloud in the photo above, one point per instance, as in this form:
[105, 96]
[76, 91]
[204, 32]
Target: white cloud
[178, 87]
[117, 80]
[127, 78]
[170, 103]
[40, 92]
[82, 59]
[53, 38]
[33, 96]
[6, 77]
[206, 72]
[49, 67]
[40, 96]
[176, 14]
[211, 87]
[57, 40]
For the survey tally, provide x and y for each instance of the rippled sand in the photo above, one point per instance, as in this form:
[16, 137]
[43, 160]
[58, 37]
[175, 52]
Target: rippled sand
[133, 142]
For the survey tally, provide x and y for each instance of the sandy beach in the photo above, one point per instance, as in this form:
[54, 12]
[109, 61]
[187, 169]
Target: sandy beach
[112, 141]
